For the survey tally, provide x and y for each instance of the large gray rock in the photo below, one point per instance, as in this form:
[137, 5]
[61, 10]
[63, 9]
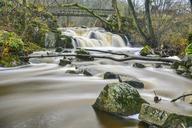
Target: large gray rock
[119, 99]
[167, 115]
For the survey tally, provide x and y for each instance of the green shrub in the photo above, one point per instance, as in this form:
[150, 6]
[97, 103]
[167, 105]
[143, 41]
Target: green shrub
[188, 50]
[11, 41]
[11, 46]
[190, 38]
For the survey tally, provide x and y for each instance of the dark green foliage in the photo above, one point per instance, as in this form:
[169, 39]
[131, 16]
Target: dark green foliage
[188, 50]
[190, 38]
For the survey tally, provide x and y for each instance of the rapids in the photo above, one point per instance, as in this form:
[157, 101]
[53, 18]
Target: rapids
[94, 37]
[42, 95]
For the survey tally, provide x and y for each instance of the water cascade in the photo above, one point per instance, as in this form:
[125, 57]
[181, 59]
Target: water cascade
[94, 37]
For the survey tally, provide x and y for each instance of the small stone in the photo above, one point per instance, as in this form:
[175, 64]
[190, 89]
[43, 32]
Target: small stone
[135, 83]
[175, 65]
[181, 69]
[72, 71]
[59, 49]
[158, 66]
[64, 62]
[138, 65]
[119, 99]
[187, 74]
[110, 75]
[87, 73]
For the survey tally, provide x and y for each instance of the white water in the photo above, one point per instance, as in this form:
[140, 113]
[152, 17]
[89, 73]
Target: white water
[94, 37]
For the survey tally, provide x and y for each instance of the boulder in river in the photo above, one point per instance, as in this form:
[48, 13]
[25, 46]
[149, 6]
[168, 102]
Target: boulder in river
[119, 99]
[138, 65]
[166, 115]
[110, 75]
[147, 50]
[83, 55]
[64, 62]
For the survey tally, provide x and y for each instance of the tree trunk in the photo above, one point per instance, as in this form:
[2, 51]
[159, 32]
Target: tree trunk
[151, 37]
[136, 22]
[114, 5]
[190, 1]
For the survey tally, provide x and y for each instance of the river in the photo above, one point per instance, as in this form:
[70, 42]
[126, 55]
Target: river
[42, 95]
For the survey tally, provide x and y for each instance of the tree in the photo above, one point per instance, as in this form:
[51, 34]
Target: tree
[190, 1]
[149, 37]
[114, 5]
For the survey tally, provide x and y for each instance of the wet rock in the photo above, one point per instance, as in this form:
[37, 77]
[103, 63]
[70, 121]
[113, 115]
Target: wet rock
[175, 65]
[138, 65]
[187, 74]
[147, 50]
[165, 115]
[83, 55]
[83, 26]
[72, 71]
[64, 62]
[119, 99]
[110, 75]
[181, 69]
[59, 49]
[158, 66]
[135, 83]
[87, 73]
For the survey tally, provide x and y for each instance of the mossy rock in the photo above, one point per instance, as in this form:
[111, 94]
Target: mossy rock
[166, 115]
[119, 99]
[83, 55]
[147, 50]
[138, 65]
[64, 62]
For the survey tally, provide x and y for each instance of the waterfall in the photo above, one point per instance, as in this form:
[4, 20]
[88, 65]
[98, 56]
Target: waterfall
[93, 37]
[50, 40]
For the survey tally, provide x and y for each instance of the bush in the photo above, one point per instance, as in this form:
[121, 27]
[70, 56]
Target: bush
[188, 50]
[11, 46]
[190, 38]
[176, 42]
[11, 41]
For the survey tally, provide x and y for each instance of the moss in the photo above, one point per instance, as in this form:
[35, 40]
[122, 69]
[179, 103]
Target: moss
[147, 50]
[119, 99]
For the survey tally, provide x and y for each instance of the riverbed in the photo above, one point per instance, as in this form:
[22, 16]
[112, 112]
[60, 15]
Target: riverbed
[42, 95]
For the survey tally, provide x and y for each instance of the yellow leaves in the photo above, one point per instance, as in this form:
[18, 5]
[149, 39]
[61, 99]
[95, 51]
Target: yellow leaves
[40, 8]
